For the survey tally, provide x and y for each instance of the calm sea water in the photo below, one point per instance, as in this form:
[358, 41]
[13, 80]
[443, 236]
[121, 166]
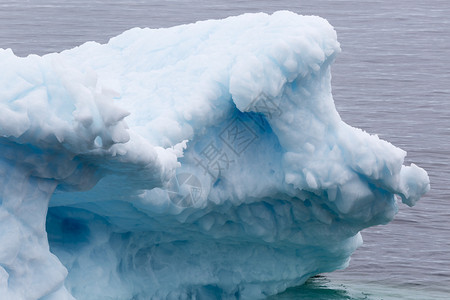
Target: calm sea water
[392, 79]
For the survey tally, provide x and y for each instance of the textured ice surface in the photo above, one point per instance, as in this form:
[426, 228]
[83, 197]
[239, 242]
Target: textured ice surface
[205, 160]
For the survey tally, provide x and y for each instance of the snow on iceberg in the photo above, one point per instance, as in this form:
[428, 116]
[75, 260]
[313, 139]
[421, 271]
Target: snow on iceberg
[205, 160]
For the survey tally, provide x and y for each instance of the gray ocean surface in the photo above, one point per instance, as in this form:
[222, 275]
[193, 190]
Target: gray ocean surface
[392, 79]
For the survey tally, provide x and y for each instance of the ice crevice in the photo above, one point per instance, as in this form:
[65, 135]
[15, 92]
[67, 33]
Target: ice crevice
[205, 160]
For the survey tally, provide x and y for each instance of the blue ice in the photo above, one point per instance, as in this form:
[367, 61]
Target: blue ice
[205, 160]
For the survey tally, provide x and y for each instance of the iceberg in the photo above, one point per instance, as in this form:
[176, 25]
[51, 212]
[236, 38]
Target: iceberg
[203, 161]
